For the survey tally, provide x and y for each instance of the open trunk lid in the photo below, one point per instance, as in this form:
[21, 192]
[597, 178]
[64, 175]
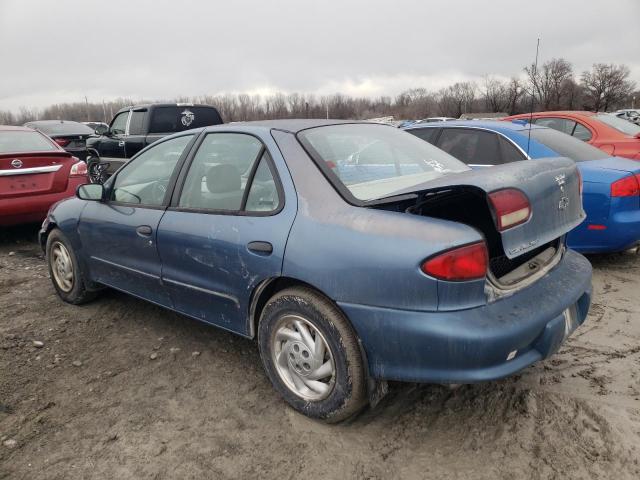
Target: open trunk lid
[34, 173]
[552, 187]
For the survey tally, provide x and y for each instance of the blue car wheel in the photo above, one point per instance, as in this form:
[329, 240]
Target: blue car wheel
[311, 355]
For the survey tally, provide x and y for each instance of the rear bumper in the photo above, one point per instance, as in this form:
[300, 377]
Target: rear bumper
[621, 233]
[473, 345]
[34, 208]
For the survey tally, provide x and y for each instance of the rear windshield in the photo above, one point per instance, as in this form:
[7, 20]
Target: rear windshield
[566, 145]
[177, 119]
[62, 128]
[21, 142]
[374, 161]
[620, 124]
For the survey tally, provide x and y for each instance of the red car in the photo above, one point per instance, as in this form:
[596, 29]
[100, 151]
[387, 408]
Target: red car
[609, 133]
[35, 173]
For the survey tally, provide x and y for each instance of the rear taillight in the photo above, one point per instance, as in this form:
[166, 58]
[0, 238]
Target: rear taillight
[626, 187]
[462, 263]
[78, 169]
[511, 207]
[63, 142]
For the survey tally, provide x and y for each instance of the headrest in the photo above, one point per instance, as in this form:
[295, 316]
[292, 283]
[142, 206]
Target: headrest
[223, 178]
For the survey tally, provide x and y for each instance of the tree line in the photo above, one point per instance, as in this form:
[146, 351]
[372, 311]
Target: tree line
[552, 86]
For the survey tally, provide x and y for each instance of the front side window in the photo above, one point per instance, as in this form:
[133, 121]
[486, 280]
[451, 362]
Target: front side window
[18, 141]
[561, 124]
[373, 161]
[221, 171]
[119, 124]
[473, 147]
[145, 179]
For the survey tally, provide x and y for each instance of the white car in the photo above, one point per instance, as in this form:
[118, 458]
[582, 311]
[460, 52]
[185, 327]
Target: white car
[631, 114]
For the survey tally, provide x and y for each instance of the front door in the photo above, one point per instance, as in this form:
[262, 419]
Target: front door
[225, 231]
[120, 233]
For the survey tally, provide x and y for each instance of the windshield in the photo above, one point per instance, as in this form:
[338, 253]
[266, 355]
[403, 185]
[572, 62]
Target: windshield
[620, 124]
[566, 145]
[374, 161]
[61, 128]
[21, 142]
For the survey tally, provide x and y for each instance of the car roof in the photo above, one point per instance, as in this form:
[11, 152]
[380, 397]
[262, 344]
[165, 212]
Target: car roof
[293, 125]
[13, 128]
[142, 106]
[497, 125]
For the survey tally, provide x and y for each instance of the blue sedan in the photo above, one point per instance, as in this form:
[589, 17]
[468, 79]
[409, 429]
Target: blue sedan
[611, 194]
[354, 252]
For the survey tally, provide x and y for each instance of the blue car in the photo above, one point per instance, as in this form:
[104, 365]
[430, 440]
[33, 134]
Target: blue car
[429, 272]
[611, 196]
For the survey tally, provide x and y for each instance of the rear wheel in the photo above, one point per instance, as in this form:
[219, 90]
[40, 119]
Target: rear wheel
[96, 170]
[64, 270]
[311, 355]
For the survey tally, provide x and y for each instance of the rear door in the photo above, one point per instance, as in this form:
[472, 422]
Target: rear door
[120, 234]
[226, 229]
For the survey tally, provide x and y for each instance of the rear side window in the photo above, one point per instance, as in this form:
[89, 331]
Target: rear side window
[177, 119]
[20, 142]
[561, 124]
[473, 147]
[136, 123]
[582, 133]
[509, 151]
[230, 172]
[426, 134]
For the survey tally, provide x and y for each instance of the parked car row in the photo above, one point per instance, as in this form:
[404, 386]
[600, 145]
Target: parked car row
[355, 253]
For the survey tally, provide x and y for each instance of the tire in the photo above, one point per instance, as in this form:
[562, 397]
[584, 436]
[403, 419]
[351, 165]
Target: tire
[61, 259]
[286, 355]
[96, 171]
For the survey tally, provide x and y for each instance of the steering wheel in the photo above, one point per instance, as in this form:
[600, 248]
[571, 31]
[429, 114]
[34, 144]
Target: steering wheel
[158, 191]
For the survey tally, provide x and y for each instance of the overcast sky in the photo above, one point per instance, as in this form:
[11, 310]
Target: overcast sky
[56, 51]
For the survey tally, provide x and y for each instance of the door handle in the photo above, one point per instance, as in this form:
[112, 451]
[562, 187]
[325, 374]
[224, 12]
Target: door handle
[144, 231]
[263, 248]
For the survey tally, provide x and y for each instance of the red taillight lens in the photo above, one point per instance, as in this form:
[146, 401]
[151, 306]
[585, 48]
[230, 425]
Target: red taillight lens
[462, 263]
[626, 187]
[63, 142]
[511, 207]
[78, 169]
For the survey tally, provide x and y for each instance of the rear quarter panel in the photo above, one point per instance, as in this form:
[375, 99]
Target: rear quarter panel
[364, 255]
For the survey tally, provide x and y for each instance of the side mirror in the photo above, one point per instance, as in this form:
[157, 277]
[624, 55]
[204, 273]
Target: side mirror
[90, 191]
[102, 129]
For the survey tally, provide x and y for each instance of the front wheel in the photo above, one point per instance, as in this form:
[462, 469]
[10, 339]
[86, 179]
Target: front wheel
[64, 270]
[311, 355]
[96, 170]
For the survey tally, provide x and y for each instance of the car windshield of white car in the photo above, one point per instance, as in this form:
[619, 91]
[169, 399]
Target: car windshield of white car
[373, 161]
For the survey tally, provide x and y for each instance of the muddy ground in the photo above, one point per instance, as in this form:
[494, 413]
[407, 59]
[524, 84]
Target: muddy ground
[92, 403]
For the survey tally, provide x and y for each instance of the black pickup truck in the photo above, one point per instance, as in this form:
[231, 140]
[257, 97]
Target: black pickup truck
[133, 128]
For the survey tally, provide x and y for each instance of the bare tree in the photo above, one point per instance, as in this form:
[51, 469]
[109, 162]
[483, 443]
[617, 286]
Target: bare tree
[606, 86]
[496, 94]
[549, 81]
[457, 99]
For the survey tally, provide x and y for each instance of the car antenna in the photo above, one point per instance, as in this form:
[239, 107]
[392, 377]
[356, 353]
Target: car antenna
[533, 95]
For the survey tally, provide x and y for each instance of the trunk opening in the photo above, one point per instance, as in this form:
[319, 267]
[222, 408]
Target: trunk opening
[469, 205]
